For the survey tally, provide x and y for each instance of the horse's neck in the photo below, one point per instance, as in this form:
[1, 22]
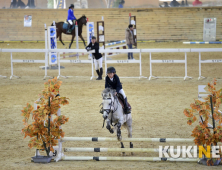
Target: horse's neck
[116, 104]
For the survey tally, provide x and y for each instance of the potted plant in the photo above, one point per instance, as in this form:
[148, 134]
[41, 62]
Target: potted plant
[202, 133]
[45, 130]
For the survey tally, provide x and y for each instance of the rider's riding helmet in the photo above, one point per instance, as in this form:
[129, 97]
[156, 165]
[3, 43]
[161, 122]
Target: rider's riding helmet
[71, 6]
[93, 37]
[111, 70]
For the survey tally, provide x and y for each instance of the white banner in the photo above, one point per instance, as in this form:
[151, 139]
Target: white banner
[27, 21]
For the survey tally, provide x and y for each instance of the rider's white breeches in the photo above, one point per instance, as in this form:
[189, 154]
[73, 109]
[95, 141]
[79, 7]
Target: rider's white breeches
[98, 63]
[123, 93]
[70, 22]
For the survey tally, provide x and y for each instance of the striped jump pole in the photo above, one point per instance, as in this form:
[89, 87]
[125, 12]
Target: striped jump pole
[68, 55]
[114, 43]
[103, 139]
[151, 159]
[121, 150]
[211, 42]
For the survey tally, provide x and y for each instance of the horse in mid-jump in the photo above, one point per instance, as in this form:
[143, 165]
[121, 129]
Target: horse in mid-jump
[60, 29]
[113, 113]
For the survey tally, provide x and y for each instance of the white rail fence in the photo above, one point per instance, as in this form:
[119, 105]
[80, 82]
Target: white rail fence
[167, 61]
[199, 50]
[106, 51]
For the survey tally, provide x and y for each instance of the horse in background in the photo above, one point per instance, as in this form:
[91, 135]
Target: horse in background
[61, 27]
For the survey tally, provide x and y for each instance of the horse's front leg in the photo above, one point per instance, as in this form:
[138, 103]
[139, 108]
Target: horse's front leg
[119, 136]
[60, 39]
[108, 126]
[82, 39]
[73, 36]
[129, 128]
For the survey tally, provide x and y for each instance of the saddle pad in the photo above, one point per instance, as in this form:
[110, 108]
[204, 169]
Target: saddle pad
[65, 26]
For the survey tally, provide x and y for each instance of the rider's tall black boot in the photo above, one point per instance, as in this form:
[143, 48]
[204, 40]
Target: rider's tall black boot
[126, 107]
[97, 71]
[69, 28]
[101, 74]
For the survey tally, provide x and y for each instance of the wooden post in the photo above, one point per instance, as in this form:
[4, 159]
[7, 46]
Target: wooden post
[103, 32]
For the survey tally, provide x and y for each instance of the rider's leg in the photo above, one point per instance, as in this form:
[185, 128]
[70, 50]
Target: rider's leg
[97, 68]
[70, 26]
[100, 62]
[126, 107]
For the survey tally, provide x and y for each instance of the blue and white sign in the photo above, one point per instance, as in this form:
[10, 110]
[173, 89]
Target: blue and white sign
[52, 44]
[90, 32]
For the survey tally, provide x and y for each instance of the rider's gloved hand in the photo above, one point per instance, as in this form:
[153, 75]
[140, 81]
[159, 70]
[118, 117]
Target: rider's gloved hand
[88, 48]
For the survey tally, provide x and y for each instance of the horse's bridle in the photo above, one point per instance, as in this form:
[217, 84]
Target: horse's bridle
[110, 110]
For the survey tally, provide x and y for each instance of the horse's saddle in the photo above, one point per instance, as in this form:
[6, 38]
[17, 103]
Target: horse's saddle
[122, 101]
[65, 26]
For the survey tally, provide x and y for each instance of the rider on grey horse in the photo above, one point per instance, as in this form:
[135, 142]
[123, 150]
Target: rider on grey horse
[112, 81]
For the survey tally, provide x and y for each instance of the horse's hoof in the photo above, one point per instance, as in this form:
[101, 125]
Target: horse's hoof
[119, 138]
[111, 131]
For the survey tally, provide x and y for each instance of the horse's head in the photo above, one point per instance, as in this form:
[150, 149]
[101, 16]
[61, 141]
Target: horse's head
[83, 20]
[108, 101]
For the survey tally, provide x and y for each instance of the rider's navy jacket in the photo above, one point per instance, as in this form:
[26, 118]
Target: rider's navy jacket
[71, 15]
[115, 84]
[95, 47]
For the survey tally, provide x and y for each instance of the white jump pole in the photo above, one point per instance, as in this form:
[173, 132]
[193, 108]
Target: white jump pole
[124, 150]
[2, 75]
[200, 67]
[150, 67]
[186, 68]
[12, 74]
[46, 54]
[152, 159]
[104, 139]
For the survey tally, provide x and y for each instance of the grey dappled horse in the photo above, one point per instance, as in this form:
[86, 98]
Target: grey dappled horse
[113, 113]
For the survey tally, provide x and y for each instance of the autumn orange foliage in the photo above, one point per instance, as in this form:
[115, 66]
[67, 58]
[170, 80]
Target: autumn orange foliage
[202, 134]
[37, 130]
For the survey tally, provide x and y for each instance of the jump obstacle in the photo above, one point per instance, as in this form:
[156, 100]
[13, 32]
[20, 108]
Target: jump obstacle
[61, 156]
[115, 50]
[90, 33]
[77, 50]
[101, 36]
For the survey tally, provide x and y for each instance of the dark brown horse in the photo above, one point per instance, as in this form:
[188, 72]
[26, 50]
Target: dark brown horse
[59, 30]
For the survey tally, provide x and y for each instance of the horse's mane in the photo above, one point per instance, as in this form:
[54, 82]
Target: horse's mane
[81, 18]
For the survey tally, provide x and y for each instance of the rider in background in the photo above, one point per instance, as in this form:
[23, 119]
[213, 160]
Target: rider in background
[71, 18]
[97, 57]
[112, 81]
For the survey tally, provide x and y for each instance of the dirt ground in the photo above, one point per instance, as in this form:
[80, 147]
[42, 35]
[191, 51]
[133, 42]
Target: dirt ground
[157, 106]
